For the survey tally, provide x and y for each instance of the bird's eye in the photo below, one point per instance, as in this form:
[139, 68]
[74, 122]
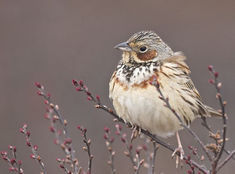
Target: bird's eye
[143, 49]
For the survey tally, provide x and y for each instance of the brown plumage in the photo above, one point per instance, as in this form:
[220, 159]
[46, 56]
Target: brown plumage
[135, 100]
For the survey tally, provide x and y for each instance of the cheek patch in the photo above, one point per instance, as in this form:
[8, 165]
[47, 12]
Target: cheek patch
[148, 55]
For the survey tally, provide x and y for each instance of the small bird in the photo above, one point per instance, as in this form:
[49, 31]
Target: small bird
[146, 56]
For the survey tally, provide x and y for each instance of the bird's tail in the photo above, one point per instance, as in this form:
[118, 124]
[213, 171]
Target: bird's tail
[212, 112]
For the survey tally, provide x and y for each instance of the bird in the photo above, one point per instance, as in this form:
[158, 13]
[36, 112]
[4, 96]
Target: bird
[146, 56]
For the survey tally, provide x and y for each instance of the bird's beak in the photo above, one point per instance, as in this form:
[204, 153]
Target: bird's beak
[124, 46]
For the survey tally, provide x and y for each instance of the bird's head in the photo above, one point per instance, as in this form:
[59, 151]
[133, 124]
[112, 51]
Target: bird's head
[144, 46]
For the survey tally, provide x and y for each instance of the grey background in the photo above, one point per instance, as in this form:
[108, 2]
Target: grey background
[55, 41]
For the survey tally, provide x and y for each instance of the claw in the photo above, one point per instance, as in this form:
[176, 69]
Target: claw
[179, 150]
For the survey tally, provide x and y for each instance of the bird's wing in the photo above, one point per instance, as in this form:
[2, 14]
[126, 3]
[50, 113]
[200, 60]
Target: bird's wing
[182, 74]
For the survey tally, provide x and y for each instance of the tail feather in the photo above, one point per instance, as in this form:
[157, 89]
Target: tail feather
[212, 112]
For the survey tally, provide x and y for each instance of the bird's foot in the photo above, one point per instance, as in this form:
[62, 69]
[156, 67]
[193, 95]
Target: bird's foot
[135, 132]
[179, 153]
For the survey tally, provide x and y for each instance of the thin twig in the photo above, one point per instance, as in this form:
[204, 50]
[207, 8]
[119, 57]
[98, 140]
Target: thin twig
[34, 148]
[67, 144]
[217, 86]
[87, 148]
[155, 148]
[225, 160]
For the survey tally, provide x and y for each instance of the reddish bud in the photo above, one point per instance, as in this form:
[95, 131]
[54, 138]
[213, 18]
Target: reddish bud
[89, 98]
[13, 161]
[85, 130]
[88, 93]
[48, 95]
[68, 141]
[111, 140]
[138, 149]
[81, 83]
[46, 116]
[210, 67]
[12, 169]
[21, 130]
[61, 166]
[35, 147]
[19, 162]
[46, 102]
[118, 126]
[78, 89]
[189, 172]
[37, 84]
[98, 98]
[3, 153]
[28, 143]
[106, 129]
[28, 133]
[216, 74]
[105, 136]
[211, 81]
[25, 126]
[52, 129]
[75, 83]
[32, 156]
[79, 127]
[117, 132]
[39, 93]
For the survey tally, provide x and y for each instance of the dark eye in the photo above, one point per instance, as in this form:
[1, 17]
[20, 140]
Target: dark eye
[143, 49]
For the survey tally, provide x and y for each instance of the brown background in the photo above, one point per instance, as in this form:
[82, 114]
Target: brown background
[55, 41]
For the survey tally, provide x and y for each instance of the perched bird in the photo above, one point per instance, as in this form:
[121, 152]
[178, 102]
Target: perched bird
[145, 56]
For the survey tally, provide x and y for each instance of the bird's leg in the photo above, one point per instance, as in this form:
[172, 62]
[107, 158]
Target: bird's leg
[179, 149]
[135, 132]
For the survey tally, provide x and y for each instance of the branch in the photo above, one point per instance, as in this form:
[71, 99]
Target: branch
[226, 160]
[54, 115]
[34, 148]
[87, 148]
[97, 103]
[222, 104]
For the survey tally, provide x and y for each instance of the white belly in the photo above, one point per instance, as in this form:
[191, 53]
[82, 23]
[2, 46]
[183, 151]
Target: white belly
[143, 107]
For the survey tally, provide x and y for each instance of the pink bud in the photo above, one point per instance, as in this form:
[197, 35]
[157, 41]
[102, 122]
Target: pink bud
[12, 169]
[52, 129]
[37, 84]
[106, 129]
[68, 141]
[111, 140]
[39, 93]
[75, 83]
[13, 161]
[78, 89]
[105, 136]
[216, 74]
[81, 83]
[210, 67]
[28, 143]
[89, 98]
[3, 153]
[28, 133]
[98, 98]
[32, 156]
[35, 147]
[211, 81]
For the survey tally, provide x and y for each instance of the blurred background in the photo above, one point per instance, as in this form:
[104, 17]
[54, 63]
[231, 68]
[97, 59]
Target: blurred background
[55, 41]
